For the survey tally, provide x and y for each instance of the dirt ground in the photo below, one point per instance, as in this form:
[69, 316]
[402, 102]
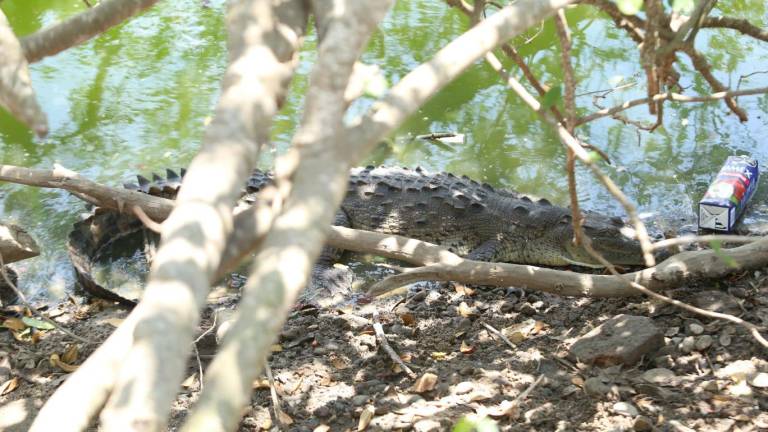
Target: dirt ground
[331, 373]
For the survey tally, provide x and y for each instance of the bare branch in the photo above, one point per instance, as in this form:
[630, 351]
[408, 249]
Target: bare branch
[318, 172]
[442, 265]
[677, 97]
[159, 330]
[737, 24]
[103, 196]
[81, 27]
[16, 92]
[702, 65]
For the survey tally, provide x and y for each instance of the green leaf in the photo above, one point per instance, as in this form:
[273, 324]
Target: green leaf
[484, 424]
[629, 7]
[682, 6]
[551, 97]
[717, 248]
[594, 156]
[38, 324]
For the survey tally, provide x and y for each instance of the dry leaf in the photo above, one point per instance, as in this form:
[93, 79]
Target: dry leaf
[284, 419]
[340, 363]
[71, 354]
[275, 348]
[439, 355]
[55, 361]
[260, 383]
[190, 381]
[114, 322]
[408, 319]
[466, 349]
[425, 383]
[14, 324]
[462, 289]
[365, 417]
[505, 409]
[466, 311]
[9, 386]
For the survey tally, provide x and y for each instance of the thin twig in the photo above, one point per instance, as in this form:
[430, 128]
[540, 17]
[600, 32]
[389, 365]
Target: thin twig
[379, 330]
[276, 406]
[703, 239]
[671, 96]
[499, 334]
[36, 311]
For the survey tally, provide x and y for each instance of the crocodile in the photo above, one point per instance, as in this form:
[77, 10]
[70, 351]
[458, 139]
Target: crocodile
[471, 219]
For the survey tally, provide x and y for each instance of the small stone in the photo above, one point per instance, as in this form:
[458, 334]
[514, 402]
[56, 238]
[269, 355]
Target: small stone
[711, 386]
[738, 292]
[427, 425]
[660, 376]
[625, 409]
[507, 307]
[467, 370]
[760, 380]
[623, 339]
[526, 309]
[463, 388]
[687, 345]
[360, 400]
[704, 342]
[695, 328]
[672, 331]
[725, 339]
[595, 387]
[642, 424]
[425, 383]
[665, 361]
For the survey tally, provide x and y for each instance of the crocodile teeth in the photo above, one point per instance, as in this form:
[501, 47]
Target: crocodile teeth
[157, 178]
[183, 172]
[131, 186]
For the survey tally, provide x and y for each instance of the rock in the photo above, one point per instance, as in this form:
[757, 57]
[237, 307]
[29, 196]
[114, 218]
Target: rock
[717, 301]
[625, 409]
[595, 387]
[427, 425]
[704, 342]
[659, 376]
[760, 380]
[425, 383]
[463, 388]
[642, 424]
[665, 361]
[623, 339]
[687, 345]
[360, 400]
[725, 339]
[695, 328]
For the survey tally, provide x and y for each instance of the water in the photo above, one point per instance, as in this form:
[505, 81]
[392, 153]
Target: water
[137, 98]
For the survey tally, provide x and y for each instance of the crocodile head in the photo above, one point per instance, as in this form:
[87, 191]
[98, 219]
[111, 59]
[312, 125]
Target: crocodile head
[610, 237]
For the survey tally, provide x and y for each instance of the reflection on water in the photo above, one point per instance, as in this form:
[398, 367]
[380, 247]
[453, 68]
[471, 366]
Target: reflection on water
[136, 99]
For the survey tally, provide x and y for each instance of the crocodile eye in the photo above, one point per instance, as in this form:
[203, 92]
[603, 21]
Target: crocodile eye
[617, 221]
[566, 219]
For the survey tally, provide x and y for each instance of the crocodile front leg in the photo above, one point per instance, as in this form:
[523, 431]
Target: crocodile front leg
[330, 283]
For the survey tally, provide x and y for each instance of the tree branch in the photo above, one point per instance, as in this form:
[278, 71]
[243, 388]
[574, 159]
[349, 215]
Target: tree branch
[81, 27]
[16, 92]
[150, 348]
